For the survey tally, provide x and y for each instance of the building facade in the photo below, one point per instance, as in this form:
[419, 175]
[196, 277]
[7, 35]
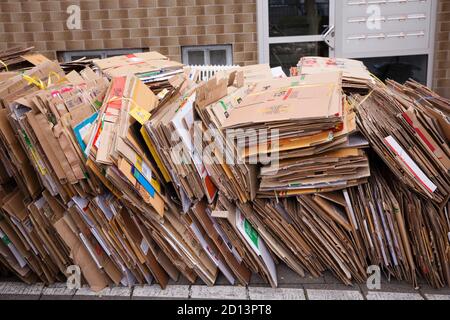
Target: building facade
[220, 31]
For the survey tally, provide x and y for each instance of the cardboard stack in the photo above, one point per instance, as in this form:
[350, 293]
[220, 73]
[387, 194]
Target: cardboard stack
[152, 68]
[409, 130]
[132, 171]
[171, 132]
[234, 177]
[311, 132]
[14, 58]
[355, 76]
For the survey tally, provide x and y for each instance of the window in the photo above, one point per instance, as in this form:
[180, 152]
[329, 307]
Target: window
[208, 55]
[95, 54]
[298, 17]
[291, 29]
[400, 68]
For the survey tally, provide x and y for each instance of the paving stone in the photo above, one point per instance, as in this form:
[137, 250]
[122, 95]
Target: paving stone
[437, 296]
[393, 286]
[114, 293]
[19, 290]
[260, 293]
[57, 291]
[427, 289]
[378, 295]
[219, 292]
[431, 293]
[331, 294]
[155, 292]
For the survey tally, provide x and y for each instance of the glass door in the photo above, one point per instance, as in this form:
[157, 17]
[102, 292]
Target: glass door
[291, 29]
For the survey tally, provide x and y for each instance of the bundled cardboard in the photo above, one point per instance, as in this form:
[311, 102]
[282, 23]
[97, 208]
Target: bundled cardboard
[404, 129]
[317, 145]
[15, 58]
[355, 75]
[386, 220]
[138, 177]
[236, 179]
[152, 68]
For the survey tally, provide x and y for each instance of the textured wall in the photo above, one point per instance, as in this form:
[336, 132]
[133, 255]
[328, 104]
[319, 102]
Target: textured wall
[161, 25]
[442, 56]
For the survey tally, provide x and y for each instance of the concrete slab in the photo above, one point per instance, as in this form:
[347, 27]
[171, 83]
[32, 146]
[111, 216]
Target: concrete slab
[437, 297]
[393, 296]
[219, 292]
[114, 293]
[57, 291]
[426, 289]
[155, 292]
[20, 291]
[261, 293]
[324, 294]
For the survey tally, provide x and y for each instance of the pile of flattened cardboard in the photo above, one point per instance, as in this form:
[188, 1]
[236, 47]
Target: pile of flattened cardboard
[136, 173]
[14, 58]
[311, 143]
[356, 77]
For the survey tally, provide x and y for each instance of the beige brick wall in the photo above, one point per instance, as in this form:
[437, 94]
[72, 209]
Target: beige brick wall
[161, 25]
[442, 56]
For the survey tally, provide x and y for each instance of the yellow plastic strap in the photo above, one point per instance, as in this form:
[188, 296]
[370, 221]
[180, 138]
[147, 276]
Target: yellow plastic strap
[5, 65]
[138, 113]
[378, 80]
[49, 80]
[363, 100]
[37, 82]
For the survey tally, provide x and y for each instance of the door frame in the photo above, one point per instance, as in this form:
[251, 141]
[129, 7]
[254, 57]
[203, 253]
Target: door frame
[264, 41]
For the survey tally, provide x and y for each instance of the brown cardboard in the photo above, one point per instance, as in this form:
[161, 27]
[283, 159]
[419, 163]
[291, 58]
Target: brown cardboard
[18, 156]
[239, 269]
[291, 99]
[96, 279]
[14, 205]
[35, 58]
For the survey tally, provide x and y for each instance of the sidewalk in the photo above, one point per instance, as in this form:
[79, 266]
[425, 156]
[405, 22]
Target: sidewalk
[291, 287]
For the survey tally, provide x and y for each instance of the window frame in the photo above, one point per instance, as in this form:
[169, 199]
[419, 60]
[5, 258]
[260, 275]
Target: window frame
[265, 40]
[103, 54]
[228, 48]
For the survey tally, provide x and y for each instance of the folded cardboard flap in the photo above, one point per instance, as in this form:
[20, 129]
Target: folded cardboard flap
[35, 58]
[14, 205]
[212, 91]
[81, 257]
